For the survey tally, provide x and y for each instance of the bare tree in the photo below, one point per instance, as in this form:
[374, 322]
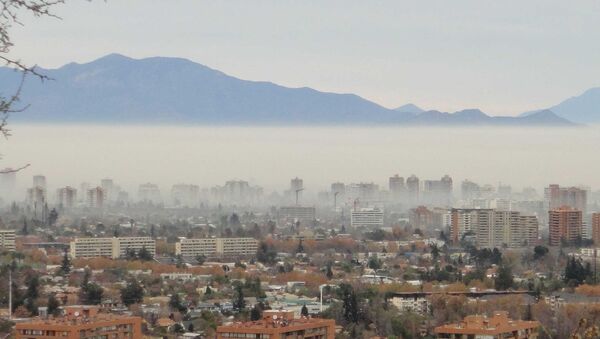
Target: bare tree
[10, 10]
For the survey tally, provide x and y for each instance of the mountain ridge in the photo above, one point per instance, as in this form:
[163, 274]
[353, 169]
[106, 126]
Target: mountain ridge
[119, 89]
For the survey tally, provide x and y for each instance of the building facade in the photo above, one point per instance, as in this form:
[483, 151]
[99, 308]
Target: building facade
[216, 247]
[498, 326]
[110, 247]
[81, 322]
[565, 224]
[280, 324]
[7, 240]
[366, 217]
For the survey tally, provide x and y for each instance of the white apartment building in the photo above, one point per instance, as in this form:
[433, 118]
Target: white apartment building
[211, 247]
[415, 304]
[297, 213]
[366, 217]
[7, 240]
[110, 247]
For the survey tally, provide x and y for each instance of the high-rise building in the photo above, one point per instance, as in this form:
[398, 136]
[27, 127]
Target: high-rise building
[8, 183]
[495, 228]
[95, 197]
[469, 190]
[296, 188]
[7, 240]
[396, 187]
[413, 189]
[366, 217]
[573, 197]
[297, 213]
[149, 193]
[365, 192]
[67, 197]
[565, 224]
[438, 192]
[185, 195]
[237, 192]
[110, 190]
[36, 196]
[39, 181]
[596, 228]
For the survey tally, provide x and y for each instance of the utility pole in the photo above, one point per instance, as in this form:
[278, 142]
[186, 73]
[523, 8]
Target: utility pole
[9, 293]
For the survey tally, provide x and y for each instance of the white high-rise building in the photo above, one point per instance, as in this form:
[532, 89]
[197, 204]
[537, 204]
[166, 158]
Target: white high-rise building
[366, 217]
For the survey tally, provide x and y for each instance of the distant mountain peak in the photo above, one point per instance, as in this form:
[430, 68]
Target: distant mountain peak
[410, 108]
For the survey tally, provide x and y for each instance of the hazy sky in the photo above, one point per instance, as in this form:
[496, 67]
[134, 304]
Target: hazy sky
[501, 56]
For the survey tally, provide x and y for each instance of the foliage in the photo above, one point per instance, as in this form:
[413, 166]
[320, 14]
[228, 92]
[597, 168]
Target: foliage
[539, 252]
[504, 278]
[133, 293]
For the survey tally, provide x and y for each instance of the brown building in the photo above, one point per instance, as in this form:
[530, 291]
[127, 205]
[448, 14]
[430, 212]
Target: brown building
[565, 223]
[497, 326]
[280, 324]
[81, 322]
[573, 197]
[596, 228]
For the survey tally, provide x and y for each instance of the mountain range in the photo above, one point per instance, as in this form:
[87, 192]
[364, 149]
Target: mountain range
[118, 89]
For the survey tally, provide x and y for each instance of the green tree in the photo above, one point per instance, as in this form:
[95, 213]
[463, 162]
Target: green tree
[329, 271]
[349, 303]
[176, 304]
[374, 263]
[504, 278]
[539, 252]
[90, 292]
[304, 311]
[300, 248]
[255, 313]
[238, 301]
[145, 255]
[53, 305]
[33, 285]
[132, 293]
[65, 266]
[265, 253]
[200, 259]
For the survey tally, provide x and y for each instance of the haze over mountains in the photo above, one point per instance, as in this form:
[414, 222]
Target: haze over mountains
[118, 89]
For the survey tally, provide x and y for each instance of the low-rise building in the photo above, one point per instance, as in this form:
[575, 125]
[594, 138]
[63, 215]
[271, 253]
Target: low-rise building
[81, 322]
[211, 247]
[495, 327]
[280, 324]
[7, 240]
[366, 217]
[110, 247]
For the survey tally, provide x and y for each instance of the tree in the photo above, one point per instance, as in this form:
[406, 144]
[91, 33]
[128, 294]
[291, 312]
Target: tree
[144, 254]
[575, 272]
[329, 271]
[539, 252]
[435, 252]
[504, 278]
[349, 303]
[304, 311]
[65, 266]
[255, 313]
[176, 304]
[208, 290]
[53, 305]
[265, 253]
[300, 248]
[200, 259]
[25, 230]
[52, 217]
[374, 263]
[33, 285]
[238, 302]
[132, 293]
[9, 14]
[90, 292]
[191, 327]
